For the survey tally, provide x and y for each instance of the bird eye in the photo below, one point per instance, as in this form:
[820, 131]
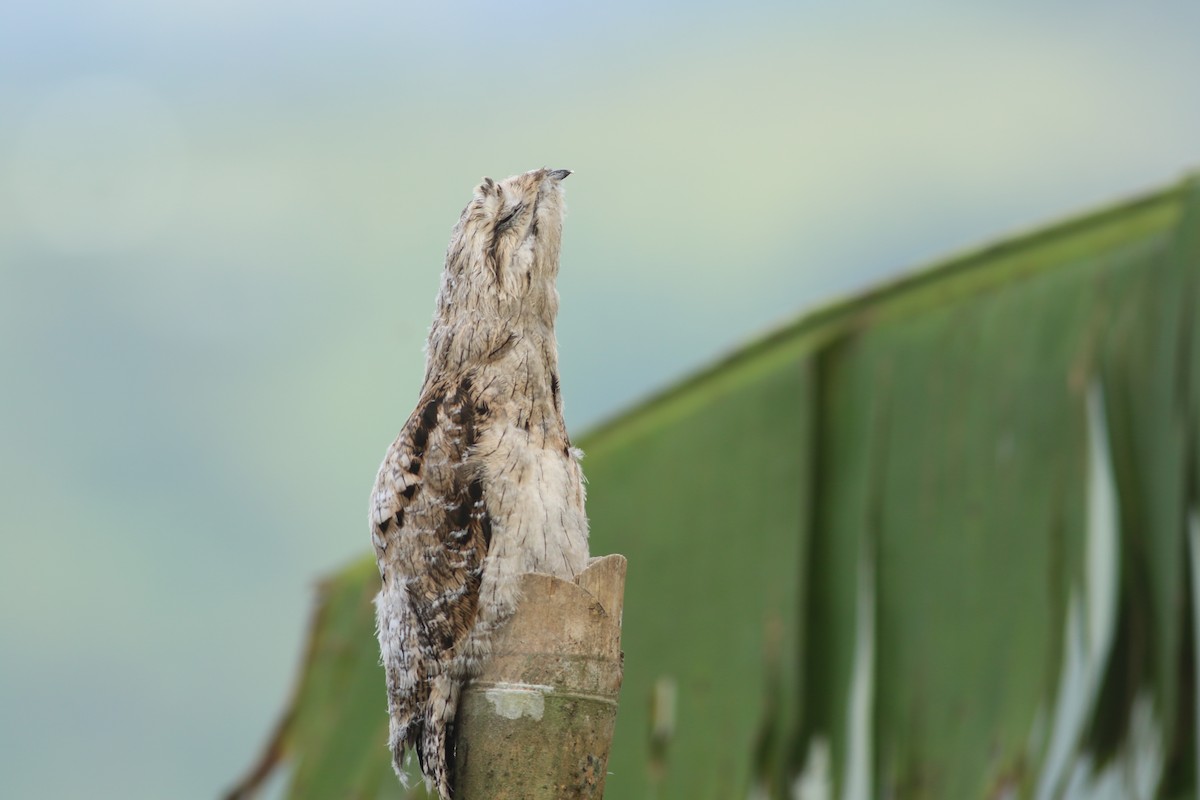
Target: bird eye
[509, 217]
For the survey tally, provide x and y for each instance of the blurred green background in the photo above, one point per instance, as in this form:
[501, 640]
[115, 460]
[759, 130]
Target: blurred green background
[221, 229]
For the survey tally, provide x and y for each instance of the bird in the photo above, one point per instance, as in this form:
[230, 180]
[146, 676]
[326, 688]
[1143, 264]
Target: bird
[482, 484]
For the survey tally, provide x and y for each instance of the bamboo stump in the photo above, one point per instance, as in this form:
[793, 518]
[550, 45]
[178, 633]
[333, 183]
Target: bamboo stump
[537, 722]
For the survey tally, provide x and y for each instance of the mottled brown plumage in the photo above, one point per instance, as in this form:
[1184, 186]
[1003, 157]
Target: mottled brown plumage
[482, 484]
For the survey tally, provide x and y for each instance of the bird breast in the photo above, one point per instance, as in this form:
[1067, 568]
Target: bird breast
[535, 498]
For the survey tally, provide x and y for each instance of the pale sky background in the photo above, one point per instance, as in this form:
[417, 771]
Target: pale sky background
[221, 229]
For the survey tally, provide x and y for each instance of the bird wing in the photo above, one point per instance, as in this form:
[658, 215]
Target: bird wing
[431, 531]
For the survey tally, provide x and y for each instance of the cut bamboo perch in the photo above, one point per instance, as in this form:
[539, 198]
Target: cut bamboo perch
[537, 722]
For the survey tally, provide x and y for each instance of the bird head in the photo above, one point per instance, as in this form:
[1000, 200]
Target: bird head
[503, 253]
[498, 283]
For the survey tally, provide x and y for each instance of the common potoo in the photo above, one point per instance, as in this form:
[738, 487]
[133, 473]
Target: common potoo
[482, 483]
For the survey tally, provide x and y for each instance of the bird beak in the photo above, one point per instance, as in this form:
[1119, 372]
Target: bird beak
[559, 174]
